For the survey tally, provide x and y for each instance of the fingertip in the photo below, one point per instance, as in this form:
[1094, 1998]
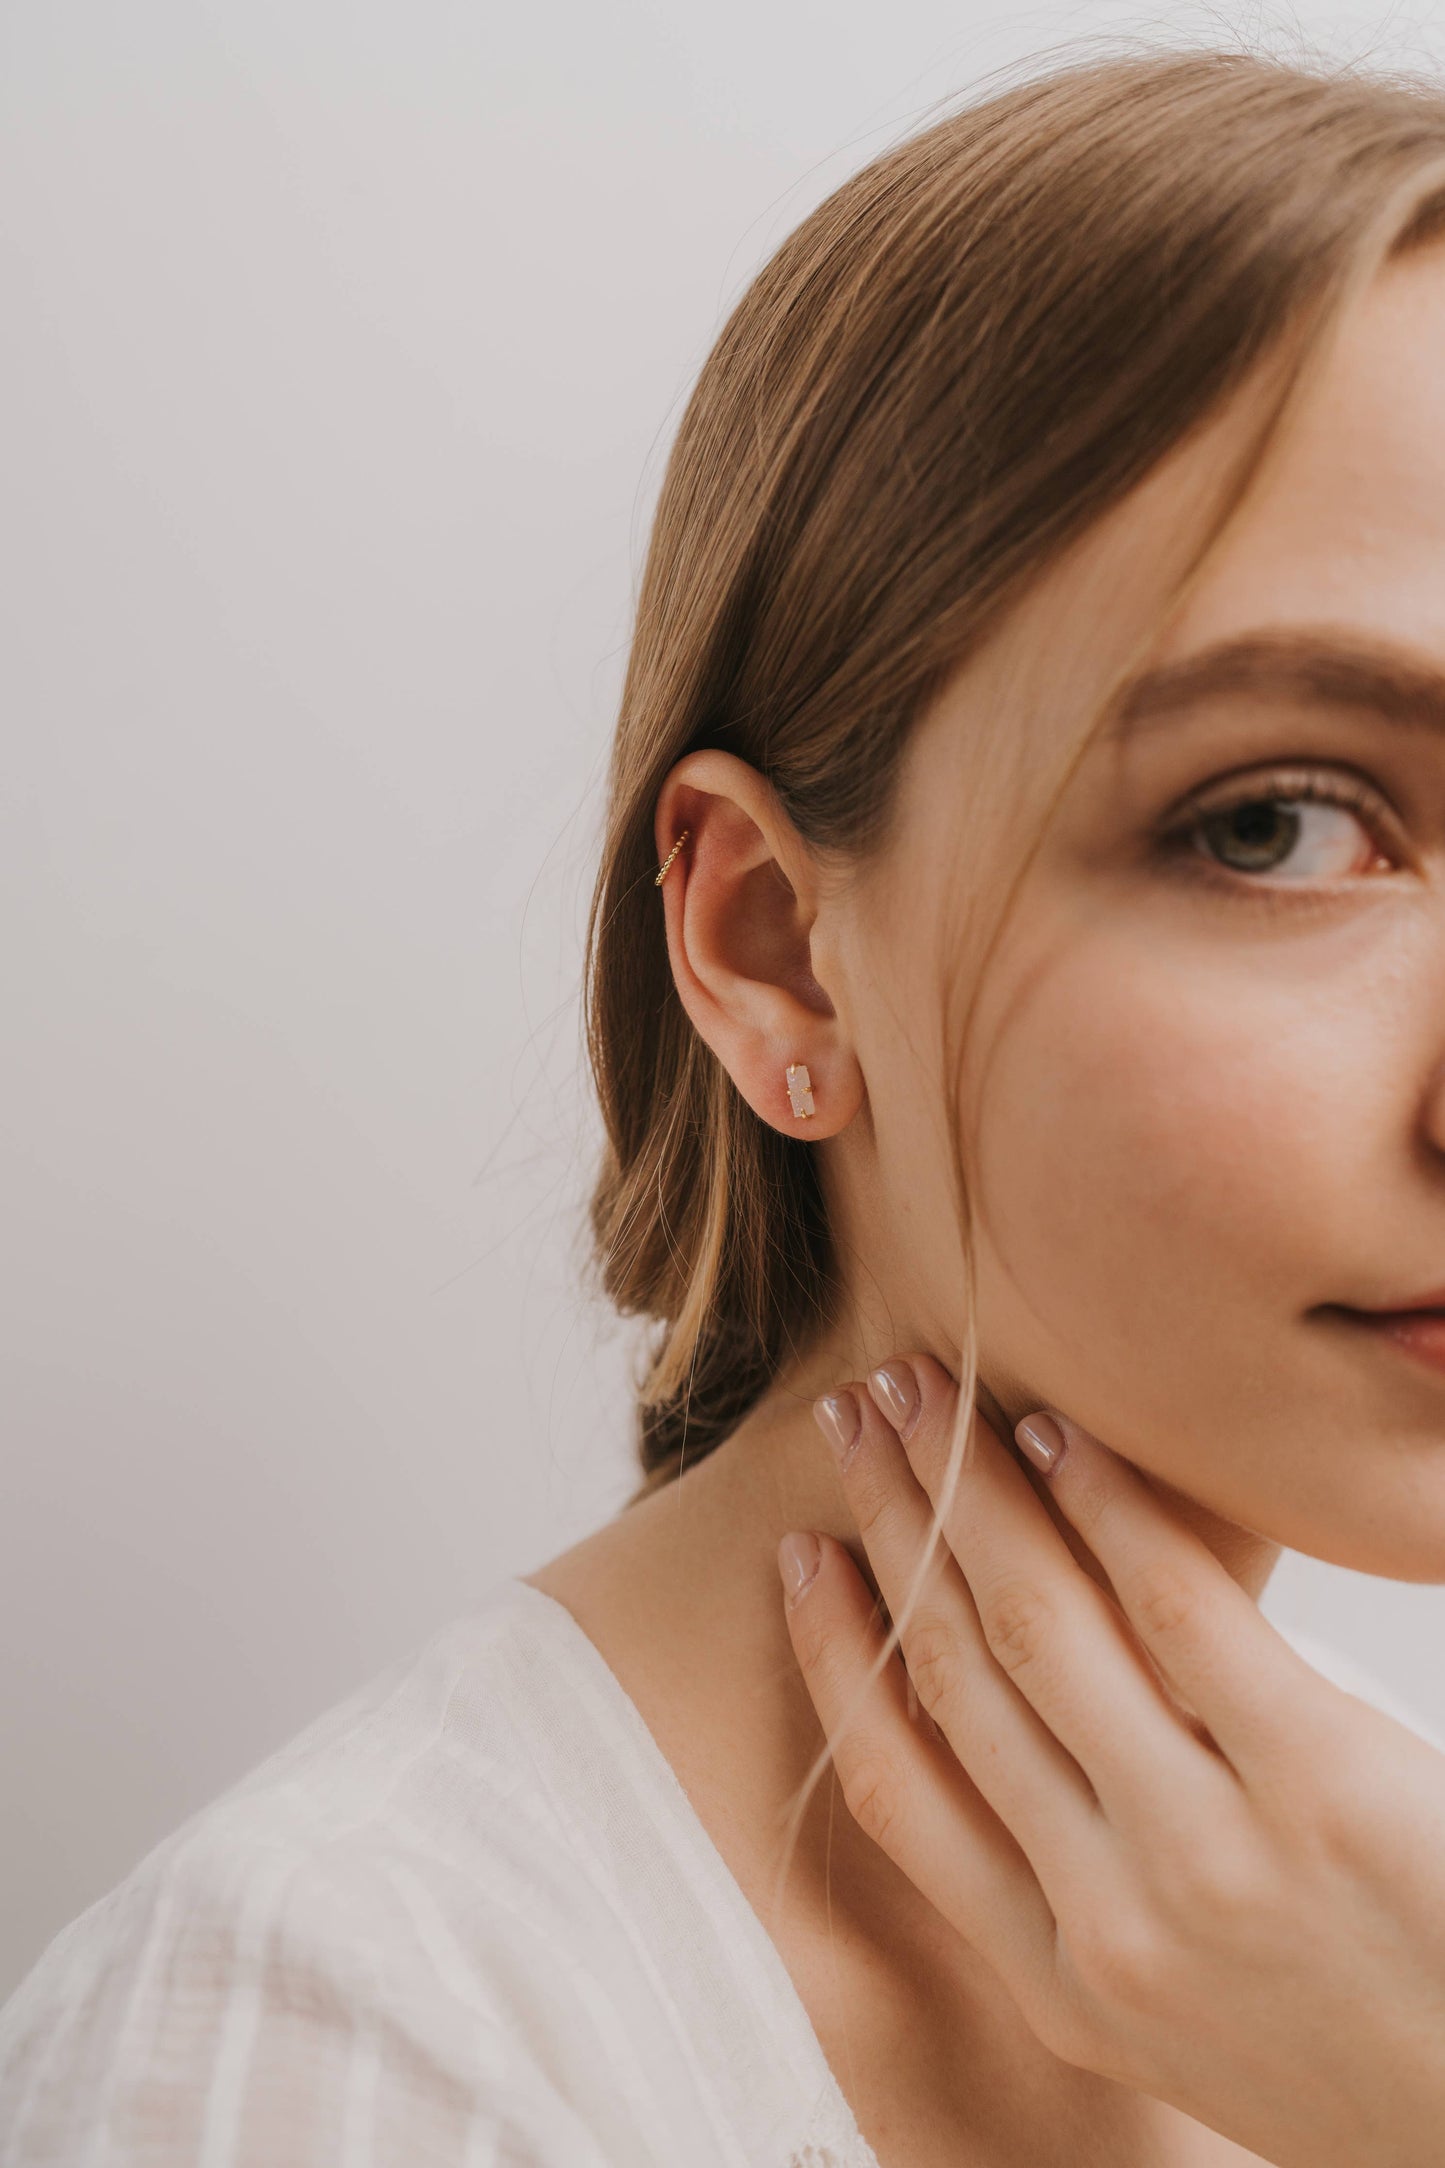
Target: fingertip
[894, 1390]
[932, 1374]
[839, 1416]
[1041, 1439]
[799, 1556]
[1076, 1434]
[929, 1394]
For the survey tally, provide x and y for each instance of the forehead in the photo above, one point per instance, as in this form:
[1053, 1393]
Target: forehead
[1342, 529]
[1345, 523]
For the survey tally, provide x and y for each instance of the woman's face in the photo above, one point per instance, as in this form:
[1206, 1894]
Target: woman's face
[1206, 1081]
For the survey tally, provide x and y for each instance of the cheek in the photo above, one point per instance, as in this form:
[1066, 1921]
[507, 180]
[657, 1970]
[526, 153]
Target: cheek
[1171, 1172]
[1167, 1163]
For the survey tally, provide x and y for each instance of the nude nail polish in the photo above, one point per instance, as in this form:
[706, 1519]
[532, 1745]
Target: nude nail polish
[799, 1556]
[839, 1418]
[894, 1385]
[1041, 1440]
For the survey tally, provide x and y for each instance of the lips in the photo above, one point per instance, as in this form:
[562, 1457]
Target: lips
[1417, 1328]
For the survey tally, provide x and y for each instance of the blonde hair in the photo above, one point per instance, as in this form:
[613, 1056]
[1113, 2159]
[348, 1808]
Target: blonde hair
[967, 354]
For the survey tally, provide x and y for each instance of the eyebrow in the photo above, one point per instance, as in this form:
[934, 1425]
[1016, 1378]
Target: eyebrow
[1286, 665]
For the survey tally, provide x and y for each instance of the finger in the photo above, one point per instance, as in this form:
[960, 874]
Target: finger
[1034, 1786]
[906, 1790]
[1212, 1643]
[1058, 1636]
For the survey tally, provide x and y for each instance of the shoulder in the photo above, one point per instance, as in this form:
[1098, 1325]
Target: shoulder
[339, 1942]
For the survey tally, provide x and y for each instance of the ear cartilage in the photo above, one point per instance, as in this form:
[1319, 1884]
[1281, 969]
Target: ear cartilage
[800, 1090]
[661, 874]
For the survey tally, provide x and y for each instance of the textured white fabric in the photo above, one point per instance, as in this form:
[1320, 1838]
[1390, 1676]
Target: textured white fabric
[469, 1917]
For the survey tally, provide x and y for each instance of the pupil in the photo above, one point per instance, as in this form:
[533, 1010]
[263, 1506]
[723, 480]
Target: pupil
[1255, 836]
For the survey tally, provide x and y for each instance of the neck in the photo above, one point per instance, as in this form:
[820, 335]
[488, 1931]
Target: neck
[778, 1459]
[681, 1593]
[683, 1598]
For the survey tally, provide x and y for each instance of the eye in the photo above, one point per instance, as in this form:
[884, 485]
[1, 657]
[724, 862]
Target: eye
[1268, 835]
[1296, 828]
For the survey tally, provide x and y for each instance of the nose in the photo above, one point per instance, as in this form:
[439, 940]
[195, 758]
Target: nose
[1432, 1113]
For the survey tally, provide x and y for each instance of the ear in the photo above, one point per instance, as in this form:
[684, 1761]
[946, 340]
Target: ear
[741, 899]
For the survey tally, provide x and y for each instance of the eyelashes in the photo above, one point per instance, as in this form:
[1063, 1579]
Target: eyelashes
[1309, 828]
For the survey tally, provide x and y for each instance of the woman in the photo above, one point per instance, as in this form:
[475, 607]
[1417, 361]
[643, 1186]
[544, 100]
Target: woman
[1017, 982]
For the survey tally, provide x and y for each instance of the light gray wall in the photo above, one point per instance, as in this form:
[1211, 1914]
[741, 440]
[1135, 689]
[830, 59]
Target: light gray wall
[342, 342]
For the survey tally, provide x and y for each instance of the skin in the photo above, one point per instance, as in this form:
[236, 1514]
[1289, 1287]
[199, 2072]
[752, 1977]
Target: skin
[1200, 1105]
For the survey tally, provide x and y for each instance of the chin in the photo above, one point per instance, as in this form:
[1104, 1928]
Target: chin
[1407, 1546]
[1370, 1493]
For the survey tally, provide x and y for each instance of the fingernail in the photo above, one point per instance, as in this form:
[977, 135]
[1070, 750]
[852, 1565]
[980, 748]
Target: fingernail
[1041, 1438]
[799, 1557]
[895, 1388]
[840, 1419]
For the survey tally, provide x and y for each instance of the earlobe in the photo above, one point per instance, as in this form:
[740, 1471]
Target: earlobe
[742, 902]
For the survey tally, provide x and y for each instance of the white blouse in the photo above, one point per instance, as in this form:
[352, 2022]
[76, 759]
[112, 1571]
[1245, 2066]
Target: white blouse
[467, 1918]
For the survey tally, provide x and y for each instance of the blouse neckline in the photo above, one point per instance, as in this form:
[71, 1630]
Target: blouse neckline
[830, 2136]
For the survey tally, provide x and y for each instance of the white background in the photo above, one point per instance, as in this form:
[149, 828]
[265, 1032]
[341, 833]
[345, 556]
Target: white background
[342, 346]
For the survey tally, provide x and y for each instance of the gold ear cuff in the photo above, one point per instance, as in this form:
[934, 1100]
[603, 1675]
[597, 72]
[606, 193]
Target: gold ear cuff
[661, 873]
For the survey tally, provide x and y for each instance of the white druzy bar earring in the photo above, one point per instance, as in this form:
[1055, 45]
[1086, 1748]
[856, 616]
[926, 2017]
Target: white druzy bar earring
[800, 1090]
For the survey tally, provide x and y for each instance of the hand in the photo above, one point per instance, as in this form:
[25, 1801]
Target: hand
[1198, 1867]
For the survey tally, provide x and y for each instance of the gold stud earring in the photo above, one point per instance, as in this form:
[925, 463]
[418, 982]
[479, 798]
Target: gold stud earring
[661, 875]
[800, 1090]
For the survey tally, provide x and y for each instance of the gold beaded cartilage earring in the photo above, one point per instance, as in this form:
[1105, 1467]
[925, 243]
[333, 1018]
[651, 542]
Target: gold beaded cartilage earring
[661, 874]
[800, 1090]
